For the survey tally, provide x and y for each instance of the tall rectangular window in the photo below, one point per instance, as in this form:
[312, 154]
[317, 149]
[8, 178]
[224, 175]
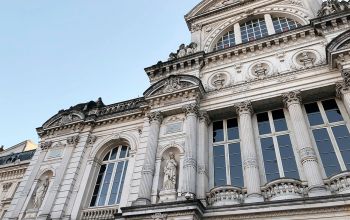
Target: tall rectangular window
[276, 146]
[227, 154]
[331, 135]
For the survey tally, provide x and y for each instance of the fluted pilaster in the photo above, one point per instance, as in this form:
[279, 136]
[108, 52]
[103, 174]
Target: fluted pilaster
[343, 89]
[202, 156]
[250, 164]
[190, 161]
[155, 120]
[307, 155]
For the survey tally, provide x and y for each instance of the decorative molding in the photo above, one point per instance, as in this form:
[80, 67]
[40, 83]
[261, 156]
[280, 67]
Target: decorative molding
[341, 89]
[191, 109]
[73, 140]
[290, 98]
[190, 162]
[346, 77]
[307, 154]
[91, 140]
[244, 108]
[159, 216]
[45, 145]
[250, 162]
[204, 117]
[155, 117]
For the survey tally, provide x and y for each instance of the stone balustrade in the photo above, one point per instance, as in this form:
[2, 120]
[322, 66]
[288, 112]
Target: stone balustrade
[226, 195]
[339, 184]
[99, 213]
[283, 189]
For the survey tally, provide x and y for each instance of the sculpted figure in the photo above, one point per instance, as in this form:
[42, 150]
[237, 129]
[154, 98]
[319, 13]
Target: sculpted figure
[41, 192]
[182, 51]
[172, 56]
[170, 168]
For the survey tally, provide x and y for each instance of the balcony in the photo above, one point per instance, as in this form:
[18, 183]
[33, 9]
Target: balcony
[100, 213]
[283, 189]
[339, 184]
[225, 195]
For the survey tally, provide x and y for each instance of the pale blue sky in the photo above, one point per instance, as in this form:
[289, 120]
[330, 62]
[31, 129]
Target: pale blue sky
[55, 54]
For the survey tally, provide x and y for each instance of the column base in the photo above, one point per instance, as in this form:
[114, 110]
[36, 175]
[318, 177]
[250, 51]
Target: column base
[141, 201]
[254, 198]
[315, 191]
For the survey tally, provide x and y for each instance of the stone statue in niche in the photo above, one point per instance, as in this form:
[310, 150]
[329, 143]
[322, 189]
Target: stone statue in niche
[40, 192]
[170, 169]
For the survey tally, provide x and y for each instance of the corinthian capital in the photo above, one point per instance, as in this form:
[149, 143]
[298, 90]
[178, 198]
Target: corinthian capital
[346, 76]
[191, 109]
[244, 108]
[155, 117]
[204, 117]
[73, 140]
[290, 98]
[45, 145]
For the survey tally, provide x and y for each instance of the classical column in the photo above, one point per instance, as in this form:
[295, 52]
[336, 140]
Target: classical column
[307, 154]
[343, 89]
[144, 198]
[203, 156]
[250, 162]
[269, 24]
[190, 162]
[238, 35]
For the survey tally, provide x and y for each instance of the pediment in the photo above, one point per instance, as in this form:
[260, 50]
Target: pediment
[64, 118]
[338, 47]
[212, 5]
[172, 84]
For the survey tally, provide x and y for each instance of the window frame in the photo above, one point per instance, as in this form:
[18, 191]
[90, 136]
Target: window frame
[226, 142]
[274, 136]
[123, 177]
[328, 126]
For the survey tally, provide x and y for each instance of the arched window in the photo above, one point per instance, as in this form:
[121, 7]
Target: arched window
[253, 29]
[282, 24]
[110, 180]
[227, 40]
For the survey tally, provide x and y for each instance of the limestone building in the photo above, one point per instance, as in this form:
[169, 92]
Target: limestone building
[249, 121]
[14, 162]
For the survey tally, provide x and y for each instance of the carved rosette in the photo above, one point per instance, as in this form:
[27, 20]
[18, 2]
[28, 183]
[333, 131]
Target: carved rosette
[45, 145]
[244, 108]
[307, 154]
[190, 162]
[204, 117]
[155, 117]
[191, 109]
[73, 140]
[291, 98]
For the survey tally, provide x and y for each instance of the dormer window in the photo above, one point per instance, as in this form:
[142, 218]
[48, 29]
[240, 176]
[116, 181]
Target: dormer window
[282, 24]
[253, 29]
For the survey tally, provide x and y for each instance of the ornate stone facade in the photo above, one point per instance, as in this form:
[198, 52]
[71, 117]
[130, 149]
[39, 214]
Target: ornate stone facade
[230, 127]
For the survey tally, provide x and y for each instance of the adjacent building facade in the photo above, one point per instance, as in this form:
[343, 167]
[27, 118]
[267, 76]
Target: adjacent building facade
[249, 121]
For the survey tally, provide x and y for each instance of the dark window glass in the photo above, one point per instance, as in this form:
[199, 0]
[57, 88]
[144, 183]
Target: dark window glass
[328, 156]
[313, 114]
[122, 182]
[218, 134]
[219, 166]
[114, 153]
[116, 182]
[105, 185]
[232, 129]
[236, 165]
[279, 120]
[263, 123]
[342, 136]
[270, 161]
[332, 111]
[123, 152]
[287, 157]
[98, 185]
[106, 157]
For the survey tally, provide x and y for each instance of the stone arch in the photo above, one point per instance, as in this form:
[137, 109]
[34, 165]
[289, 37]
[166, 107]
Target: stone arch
[71, 116]
[161, 151]
[295, 13]
[101, 148]
[173, 83]
[46, 170]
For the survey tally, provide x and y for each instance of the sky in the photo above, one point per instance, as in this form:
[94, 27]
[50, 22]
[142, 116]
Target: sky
[56, 54]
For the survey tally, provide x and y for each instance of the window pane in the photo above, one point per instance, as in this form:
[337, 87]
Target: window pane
[98, 185]
[122, 182]
[116, 182]
[270, 161]
[218, 131]
[106, 158]
[287, 157]
[219, 166]
[123, 152]
[263, 123]
[105, 185]
[313, 114]
[114, 153]
[232, 129]
[332, 111]
[328, 156]
[236, 165]
[279, 120]
[342, 136]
